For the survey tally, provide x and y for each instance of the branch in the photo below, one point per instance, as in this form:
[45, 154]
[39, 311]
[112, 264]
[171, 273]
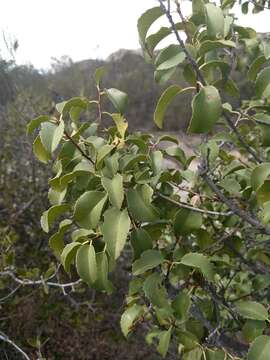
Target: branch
[6, 339]
[201, 78]
[249, 218]
[192, 208]
[38, 282]
[79, 148]
[241, 139]
[182, 44]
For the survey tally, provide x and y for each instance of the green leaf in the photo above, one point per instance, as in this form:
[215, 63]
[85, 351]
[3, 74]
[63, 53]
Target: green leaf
[259, 175]
[99, 73]
[263, 118]
[148, 260]
[206, 110]
[115, 190]
[50, 215]
[154, 39]
[266, 49]
[139, 204]
[121, 124]
[181, 305]
[201, 262]
[187, 221]
[210, 45]
[213, 64]
[146, 20]
[252, 329]
[77, 102]
[103, 151]
[40, 152]
[129, 316]
[88, 209]
[255, 67]
[140, 241]
[262, 84]
[51, 135]
[115, 230]
[86, 263]
[56, 241]
[118, 98]
[102, 282]
[68, 255]
[164, 101]
[81, 234]
[214, 21]
[194, 354]
[260, 348]
[33, 124]
[252, 310]
[155, 291]
[164, 342]
[169, 57]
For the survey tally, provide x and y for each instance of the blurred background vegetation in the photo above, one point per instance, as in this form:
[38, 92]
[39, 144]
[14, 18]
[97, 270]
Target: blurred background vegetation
[49, 323]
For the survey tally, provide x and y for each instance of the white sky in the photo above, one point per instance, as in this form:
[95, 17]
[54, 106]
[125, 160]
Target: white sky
[82, 29]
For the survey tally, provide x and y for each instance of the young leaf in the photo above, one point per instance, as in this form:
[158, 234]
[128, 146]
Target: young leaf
[129, 316]
[206, 110]
[118, 98]
[115, 230]
[201, 262]
[115, 189]
[149, 259]
[86, 264]
[99, 73]
[252, 310]
[88, 209]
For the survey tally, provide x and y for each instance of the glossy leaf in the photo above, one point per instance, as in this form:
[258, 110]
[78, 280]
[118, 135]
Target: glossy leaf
[40, 152]
[164, 101]
[88, 209]
[206, 110]
[115, 230]
[51, 135]
[86, 263]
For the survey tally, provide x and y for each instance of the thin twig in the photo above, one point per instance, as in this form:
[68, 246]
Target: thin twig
[6, 339]
[38, 282]
[195, 209]
[251, 219]
[182, 44]
[79, 148]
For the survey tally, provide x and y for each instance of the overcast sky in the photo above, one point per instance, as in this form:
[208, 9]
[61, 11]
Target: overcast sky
[82, 29]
